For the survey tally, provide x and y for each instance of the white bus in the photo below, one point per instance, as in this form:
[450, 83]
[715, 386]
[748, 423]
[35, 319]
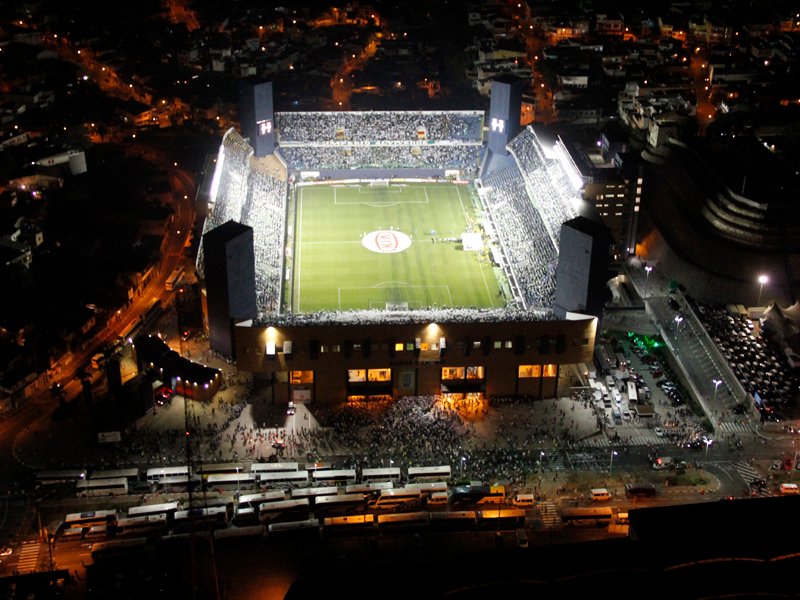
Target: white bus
[102, 487]
[86, 520]
[302, 527]
[274, 467]
[132, 474]
[334, 476]
[437, 473]
[60, 476]
[232, 481]
[156, 474]
[166, 508]
[429, 487]
[284, 509]
[313, 492]
[386, 474]
[633, 396]
[213, 516]
[339, 502]
[219, 468]
[141, 525]
[178, 483]
[253, 500]
[368, 488]
[285, 477]
[348, 522]
[395, 497]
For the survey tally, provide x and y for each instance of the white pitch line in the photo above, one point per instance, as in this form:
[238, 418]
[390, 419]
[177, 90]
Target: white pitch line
[486, 285]
[461, 202]
[298, 248]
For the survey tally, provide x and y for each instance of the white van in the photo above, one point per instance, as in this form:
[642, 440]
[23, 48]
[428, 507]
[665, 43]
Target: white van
[437, 498]
[600, 495]
[523, 500]
[789, 488]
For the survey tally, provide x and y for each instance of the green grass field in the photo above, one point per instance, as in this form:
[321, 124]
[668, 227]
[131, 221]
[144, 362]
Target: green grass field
[333, 270]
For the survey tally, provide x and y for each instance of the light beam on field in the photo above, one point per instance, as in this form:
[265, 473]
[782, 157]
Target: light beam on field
[214, 189]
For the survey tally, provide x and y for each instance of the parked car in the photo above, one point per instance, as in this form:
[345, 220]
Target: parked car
[163, 395]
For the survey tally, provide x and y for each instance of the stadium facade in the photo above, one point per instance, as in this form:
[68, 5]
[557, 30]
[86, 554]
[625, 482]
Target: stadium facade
[525, 197]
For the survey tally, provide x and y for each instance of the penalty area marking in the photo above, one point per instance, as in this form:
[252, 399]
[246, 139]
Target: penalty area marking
[399, 285]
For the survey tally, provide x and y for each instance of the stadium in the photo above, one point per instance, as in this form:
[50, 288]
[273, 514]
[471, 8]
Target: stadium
[394, 253]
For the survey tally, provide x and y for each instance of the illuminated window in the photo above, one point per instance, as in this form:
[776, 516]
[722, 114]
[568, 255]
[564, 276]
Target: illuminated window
[498, 344]
[336, 348]
[451, 373]
[356, 375]
[474, 372]
[410, 346]
[379, 375]
[529, 371]
[423, 346]
[302, 377]
[398, 347]
[323, 348]
[509, 344]
[549, 370]
[476, 344]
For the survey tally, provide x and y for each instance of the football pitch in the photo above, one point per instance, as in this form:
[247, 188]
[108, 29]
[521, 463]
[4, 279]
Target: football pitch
[360, 247]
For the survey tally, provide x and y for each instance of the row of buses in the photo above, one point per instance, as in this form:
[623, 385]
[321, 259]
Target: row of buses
[364, 524]
[231, 477]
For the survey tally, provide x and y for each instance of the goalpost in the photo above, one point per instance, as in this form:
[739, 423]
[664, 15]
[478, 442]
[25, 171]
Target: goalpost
[379, 183]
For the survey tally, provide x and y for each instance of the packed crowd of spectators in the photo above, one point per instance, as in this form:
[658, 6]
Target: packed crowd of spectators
[437, 315]
[248, 193]
[529, 253]
[264, 210]
[381, 139]
[375, 126]
[549, 187]
[409, 431]
[314, 157]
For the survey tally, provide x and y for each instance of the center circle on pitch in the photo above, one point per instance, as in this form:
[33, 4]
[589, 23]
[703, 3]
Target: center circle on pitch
[386, 241]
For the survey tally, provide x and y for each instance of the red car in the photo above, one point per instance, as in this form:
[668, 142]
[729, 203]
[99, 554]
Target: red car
[163, 395]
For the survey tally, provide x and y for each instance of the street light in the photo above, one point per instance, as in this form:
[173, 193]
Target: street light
[611, 462]
[678, 320]
[463, 460]
[762, 279]
[647, 270]
[708, 441]
[716, 383]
